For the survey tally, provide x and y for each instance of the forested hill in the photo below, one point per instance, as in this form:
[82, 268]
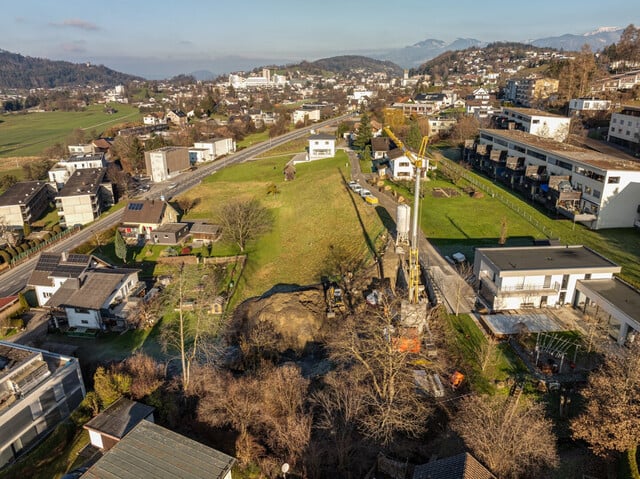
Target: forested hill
[17, 71]
[347, 63]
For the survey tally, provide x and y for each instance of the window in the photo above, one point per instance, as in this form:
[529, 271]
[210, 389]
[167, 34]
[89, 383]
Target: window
[613, 121]
[596, 193]
[535, 122]
[587, 190]
[84, 321]
[613, 179]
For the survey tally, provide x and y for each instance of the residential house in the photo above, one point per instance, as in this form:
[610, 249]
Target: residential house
[321, 146]
[98, 298]
[141, 217]
[149, 450]
[170, 233]
[439, 125]
[460, 466]
[480, 104]
[111, 425]
[84, 197]
[215, 148]
[167, 162]
[24, 202]
[60, 173]
[624, 128]
[38, 390]
[400, 166]
[53, 269]
[622, 81]
[536, 122]
[177, 117]
[153, 119]
[380, 147]
[84, 149]
[536, 276]
[305, 115]
[605, 189]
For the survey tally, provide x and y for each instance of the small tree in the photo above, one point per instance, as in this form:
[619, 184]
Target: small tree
[503, 231]
[364, 134]
[120, 246]
[243, 221]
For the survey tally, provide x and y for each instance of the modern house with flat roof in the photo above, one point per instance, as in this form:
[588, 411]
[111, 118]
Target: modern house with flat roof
[536, 122]
[536, 276]
[597, 189]
[38, 390]
[63, 169]
[624, 128]
[25, 202]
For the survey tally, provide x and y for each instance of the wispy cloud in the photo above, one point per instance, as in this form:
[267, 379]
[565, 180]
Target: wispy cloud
[73, 47]
[185, 43]
[76, 23]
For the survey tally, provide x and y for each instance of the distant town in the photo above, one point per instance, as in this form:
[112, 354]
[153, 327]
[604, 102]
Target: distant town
[338, 268]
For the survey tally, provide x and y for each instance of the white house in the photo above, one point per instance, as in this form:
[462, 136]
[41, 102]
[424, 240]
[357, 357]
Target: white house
[96, 298]
[63, 169]
[167, 162]
[400, 166]
[214, 148]
[321, 146]
[536, 276]
[84, 197]
[153, 119]
[538, 122]
[305, 114]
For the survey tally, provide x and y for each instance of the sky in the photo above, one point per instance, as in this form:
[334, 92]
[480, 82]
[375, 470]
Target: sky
[162, 38]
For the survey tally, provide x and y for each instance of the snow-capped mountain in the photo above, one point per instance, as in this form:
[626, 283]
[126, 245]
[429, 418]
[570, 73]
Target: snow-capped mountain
[597, 39]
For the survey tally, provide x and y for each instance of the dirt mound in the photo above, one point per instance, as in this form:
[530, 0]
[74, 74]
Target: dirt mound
[295, 318]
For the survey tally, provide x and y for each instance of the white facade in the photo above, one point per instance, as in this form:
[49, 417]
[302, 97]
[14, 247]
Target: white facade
[610, 186]
[536, 276]
[63, 169]
[539, 123]
[578, 105]
[302, 114]
[321, 146]
[215, 147]
[624, 127]
[401, 168]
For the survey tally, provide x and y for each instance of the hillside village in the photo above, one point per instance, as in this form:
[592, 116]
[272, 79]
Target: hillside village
[338, 268]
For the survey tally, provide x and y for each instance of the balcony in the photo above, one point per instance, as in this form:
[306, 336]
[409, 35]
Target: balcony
[577, 215]
[519, 290]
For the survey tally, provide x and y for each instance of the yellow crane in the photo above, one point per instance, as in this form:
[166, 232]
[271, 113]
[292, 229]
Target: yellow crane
[414, 259]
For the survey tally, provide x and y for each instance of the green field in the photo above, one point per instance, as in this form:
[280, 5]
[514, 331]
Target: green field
[311, 213]
[30, 133]
[461, 223]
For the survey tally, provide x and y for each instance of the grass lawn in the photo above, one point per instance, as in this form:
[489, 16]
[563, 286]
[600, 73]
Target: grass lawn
[289, 148]
[253, 138]
[310, 213]
[28, 134]
[460, 223]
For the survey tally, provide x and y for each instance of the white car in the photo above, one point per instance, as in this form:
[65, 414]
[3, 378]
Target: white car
[364, 193]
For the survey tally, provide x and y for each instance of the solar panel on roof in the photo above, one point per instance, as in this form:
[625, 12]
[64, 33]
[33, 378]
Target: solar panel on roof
[77, 258]
[135, 206]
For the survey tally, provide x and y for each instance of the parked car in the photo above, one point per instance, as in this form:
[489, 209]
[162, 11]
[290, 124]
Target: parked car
[372, 200]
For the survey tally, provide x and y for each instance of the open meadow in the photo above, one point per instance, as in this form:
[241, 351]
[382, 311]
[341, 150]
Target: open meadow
[27, 134]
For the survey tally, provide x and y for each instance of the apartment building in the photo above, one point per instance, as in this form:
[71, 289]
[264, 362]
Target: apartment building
[63, 169]
[84, 197]
[528, 91]
[624, 128]
[212, 148]
[24, 202]
[600, 190]
[167, 162]
[588, 106]
[536, 122]
[38, 390]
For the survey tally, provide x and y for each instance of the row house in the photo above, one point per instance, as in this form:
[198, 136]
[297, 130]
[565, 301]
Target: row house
[84, 197]
[600, 190]
[25, 202]
[622, 81]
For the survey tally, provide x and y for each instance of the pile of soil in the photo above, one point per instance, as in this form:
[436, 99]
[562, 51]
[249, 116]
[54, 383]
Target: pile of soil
[297, 318]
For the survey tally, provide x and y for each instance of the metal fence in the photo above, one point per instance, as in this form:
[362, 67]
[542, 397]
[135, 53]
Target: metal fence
[31, 251]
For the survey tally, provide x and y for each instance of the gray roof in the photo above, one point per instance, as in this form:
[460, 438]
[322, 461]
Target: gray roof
[22, 192]
[86, 157]
[92, 291]
[82, 182]
[151, 451]
[461, 466]
[205, 228]
[171, 228]
[618, 293]
[322, 136]
[545, 258]
[56, 265]
[119, 418]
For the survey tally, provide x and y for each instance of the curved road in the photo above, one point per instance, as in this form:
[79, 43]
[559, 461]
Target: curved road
[15, 279]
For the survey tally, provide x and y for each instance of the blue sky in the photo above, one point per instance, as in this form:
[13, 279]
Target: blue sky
[161, 38]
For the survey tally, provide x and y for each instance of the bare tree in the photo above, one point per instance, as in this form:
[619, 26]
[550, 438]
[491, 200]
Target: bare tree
[186, 203]
[511, 439]
[188, 326]
[610, 420]
[243, 221]
[369, 346]
[460, 284]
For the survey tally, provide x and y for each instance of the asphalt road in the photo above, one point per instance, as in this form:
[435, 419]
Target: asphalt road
[15, 279]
